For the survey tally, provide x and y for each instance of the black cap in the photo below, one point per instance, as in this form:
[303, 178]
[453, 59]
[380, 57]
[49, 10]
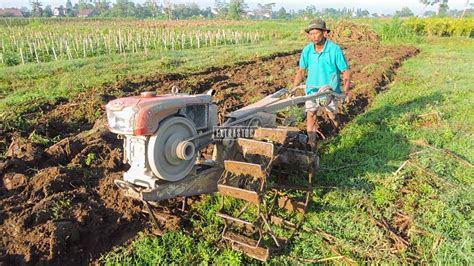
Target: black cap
[317, 24]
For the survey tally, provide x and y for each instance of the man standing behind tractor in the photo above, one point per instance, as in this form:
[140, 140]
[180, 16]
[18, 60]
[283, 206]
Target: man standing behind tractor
[323, 61]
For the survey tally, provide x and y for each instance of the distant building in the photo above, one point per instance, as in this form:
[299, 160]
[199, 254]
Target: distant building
[249, 15]
[59, 11]
[215, 11]
[263, 14]
[85, 13]
[10, 12]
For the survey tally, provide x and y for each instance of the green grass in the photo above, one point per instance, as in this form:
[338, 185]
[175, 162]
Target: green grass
[428, 203]
[173, 248]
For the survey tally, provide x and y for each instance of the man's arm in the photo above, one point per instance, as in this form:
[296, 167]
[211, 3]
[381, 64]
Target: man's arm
[300, 73]
[346, 83]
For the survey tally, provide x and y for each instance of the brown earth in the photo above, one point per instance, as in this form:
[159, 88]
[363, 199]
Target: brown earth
[58, 203]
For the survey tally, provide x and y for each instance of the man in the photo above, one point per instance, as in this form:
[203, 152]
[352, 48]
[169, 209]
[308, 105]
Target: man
[323, 61]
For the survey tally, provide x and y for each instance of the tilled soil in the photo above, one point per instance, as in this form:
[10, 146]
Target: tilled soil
[58, 203]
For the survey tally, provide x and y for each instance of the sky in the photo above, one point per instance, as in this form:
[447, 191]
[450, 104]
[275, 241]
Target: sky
[374, 6]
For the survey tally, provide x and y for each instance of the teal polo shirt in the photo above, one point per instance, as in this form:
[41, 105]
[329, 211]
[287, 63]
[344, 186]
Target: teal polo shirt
[323, 68]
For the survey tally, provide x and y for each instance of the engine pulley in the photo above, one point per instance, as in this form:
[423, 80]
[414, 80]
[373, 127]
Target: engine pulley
[169, 156]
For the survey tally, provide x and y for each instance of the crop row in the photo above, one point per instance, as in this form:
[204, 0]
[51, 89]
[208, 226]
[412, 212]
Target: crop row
[115, 22]
[444, 27]
[23, 47]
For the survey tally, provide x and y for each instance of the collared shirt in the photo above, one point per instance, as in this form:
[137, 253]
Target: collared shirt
[323, 68]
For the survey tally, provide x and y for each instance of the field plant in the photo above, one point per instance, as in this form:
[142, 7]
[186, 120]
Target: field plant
[444, 27]
[90, 158]
[59, 207]
[393, 31]
[66, 40]
[38, 139]
[414, 29]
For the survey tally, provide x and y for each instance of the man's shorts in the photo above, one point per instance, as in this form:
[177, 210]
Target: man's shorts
[314, 105]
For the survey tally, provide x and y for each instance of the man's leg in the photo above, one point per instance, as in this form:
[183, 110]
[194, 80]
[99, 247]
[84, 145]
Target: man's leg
[311, 129]
[333, 112]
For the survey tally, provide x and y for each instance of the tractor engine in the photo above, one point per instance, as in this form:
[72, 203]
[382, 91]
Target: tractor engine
[160, 133]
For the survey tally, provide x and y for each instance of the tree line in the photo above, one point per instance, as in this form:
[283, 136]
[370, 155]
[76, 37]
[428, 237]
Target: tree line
[232, 9]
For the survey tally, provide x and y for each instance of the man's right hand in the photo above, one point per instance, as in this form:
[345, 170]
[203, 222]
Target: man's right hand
[347, 96]
[296, 87]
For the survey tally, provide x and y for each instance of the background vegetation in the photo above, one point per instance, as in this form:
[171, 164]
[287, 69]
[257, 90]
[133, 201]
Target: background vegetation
[231, 9]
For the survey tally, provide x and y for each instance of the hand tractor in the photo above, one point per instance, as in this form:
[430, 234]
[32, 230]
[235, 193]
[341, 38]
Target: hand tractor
[261, 171]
